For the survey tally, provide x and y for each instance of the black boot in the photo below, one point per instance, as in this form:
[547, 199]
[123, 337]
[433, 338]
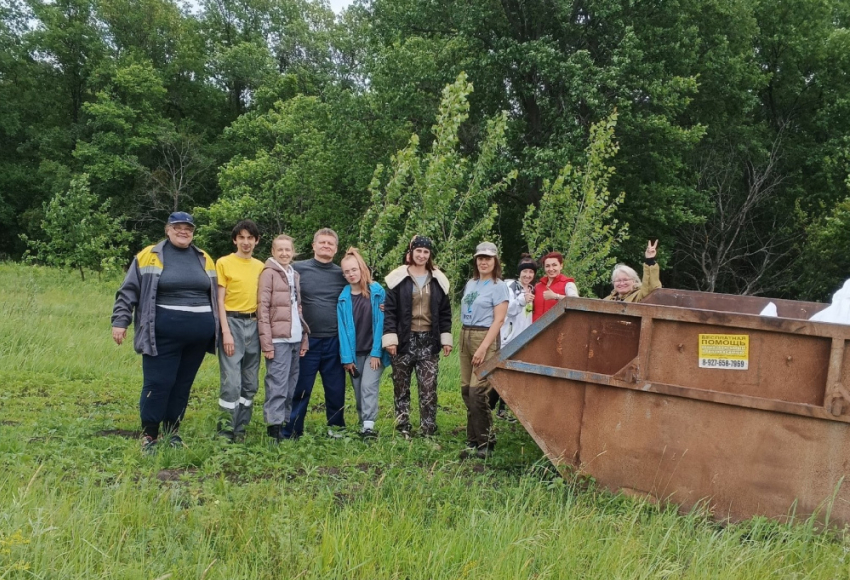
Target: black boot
[274, 433]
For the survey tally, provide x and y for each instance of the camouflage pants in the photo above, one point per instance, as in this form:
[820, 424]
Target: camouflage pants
[419, 357]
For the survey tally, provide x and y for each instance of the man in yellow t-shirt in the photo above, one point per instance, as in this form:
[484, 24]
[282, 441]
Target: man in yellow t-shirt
[239, 355]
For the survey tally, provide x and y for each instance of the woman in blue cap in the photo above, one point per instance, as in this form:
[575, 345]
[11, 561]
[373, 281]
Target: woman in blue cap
[169, 294]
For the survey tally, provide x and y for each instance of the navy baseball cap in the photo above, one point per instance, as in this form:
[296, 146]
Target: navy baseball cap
[180, 217]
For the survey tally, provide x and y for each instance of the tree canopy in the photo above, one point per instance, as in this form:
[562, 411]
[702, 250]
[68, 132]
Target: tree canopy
[732, 126]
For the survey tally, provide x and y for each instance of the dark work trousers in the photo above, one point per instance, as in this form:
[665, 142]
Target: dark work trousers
[322, 358]
[182, 339]
[494, 400]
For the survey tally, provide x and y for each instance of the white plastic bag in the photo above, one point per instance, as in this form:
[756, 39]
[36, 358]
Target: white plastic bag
[839, 311]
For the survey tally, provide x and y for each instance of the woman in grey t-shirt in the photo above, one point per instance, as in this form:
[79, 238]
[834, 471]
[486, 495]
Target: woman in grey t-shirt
[483, 310]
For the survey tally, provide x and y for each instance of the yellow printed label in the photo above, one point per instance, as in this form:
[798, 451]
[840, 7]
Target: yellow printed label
[724, 351]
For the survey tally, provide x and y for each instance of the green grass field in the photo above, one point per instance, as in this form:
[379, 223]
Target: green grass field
[78, 500]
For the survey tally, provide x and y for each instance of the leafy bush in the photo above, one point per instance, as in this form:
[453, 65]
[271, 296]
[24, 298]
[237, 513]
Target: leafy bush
[78, 233]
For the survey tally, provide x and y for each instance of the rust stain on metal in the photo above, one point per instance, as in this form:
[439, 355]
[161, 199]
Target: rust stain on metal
[626, 401]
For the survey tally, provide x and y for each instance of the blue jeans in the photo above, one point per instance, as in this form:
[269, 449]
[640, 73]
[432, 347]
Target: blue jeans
[323, 359]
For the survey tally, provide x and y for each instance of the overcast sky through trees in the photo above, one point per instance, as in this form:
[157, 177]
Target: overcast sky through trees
[338, 5]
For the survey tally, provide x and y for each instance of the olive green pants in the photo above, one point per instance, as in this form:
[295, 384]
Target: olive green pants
[475, 391]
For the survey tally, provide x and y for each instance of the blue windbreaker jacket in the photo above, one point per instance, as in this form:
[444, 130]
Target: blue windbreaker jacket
[345, 323]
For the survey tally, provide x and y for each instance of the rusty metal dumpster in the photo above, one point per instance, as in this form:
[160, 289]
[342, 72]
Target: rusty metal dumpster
[691, 398]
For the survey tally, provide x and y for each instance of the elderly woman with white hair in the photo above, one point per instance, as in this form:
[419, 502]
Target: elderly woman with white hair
[628, 287]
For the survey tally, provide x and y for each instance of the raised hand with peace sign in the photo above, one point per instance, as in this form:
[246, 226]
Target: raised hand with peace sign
[651, 249]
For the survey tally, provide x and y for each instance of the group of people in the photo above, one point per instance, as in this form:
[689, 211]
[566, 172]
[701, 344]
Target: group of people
[313, 317]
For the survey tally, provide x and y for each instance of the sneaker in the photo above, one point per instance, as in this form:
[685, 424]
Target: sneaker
[148, 445]
[176, 442]
[368, 434]
[336, 432]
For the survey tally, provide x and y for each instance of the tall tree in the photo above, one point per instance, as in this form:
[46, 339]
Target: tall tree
[443, 194]
[576, 215]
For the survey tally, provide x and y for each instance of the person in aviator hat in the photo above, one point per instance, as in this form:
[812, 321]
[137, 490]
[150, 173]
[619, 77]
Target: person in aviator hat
[170, 295]
[483, 309]
[417, 325]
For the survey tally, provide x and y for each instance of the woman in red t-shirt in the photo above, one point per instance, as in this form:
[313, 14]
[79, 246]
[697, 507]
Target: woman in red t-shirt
[552, 287]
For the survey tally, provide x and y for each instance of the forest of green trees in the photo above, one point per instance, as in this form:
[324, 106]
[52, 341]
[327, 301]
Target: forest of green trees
[720, 127]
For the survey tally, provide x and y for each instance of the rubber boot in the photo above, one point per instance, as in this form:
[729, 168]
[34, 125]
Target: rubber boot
[274, 433]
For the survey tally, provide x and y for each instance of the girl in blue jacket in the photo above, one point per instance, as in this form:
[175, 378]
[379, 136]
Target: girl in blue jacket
[361, 323]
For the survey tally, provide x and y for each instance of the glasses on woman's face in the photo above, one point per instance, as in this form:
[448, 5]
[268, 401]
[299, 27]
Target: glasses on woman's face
[618, 281]
[183, 228]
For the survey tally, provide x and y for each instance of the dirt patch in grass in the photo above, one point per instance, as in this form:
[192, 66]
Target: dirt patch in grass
[175, 474]
[126, 433]
[344, 498]
[99, 403]
[10, 423]
[370, 468]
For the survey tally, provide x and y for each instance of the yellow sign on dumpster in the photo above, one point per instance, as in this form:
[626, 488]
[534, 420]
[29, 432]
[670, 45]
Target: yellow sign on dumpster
[724, 351]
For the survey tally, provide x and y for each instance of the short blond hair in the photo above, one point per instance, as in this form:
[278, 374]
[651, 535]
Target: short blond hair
[325, 232]
[630, 272]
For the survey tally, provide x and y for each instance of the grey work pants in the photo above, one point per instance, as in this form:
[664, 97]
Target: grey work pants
[366, 388]
[240, 374]
[281, 378]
